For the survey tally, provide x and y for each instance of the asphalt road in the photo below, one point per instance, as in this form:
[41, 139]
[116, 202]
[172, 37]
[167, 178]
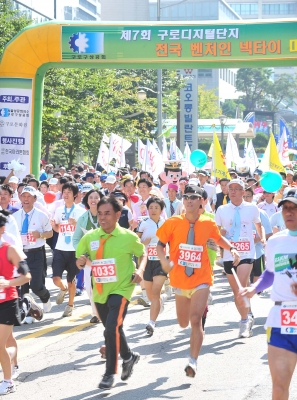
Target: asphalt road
[59, 358]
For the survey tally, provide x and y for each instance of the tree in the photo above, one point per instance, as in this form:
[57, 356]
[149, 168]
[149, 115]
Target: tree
[231, 108]
[11, 22]
[208, 103]
[281, 93]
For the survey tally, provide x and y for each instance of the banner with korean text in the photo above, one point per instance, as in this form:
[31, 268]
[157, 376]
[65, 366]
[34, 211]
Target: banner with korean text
[15, 123]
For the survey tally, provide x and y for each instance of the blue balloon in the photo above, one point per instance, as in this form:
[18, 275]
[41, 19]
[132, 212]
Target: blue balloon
[198, 158]
[271, 181]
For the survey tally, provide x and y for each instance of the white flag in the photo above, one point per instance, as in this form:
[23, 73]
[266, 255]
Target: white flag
[179, 154]
[153, 160]
[141, 152]
[117, 147]
[103, 155]
[232, 153]
[251, 158]
[156, 147]
[172, 149]
[186, 164]
[245, 148]
[283, 149]
[164, 149]
[105, 138]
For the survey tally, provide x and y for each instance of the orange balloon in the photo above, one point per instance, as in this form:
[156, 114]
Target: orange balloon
[49, 197]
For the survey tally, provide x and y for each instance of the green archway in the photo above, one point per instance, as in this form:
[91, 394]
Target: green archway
[37, 48]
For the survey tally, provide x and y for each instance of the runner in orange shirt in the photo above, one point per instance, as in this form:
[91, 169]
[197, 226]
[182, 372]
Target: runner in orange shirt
[189, 266]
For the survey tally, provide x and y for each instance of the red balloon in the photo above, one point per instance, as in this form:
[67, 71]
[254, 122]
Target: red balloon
[49, 197]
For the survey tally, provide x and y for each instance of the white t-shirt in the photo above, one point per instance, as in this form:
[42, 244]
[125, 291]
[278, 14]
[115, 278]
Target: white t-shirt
[249, 213]
[281, 255]
[65, 228]
[211, 192]
[148, 228]
[12, 229]
[278, 221]
[270, 209]
[38, 221]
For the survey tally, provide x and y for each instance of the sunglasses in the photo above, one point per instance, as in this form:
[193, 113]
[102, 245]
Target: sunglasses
[192, 197]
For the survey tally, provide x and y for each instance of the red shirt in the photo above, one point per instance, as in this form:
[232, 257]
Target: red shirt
[7, 273]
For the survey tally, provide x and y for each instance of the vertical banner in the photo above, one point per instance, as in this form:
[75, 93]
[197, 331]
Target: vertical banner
[15, 123]
[189, 109]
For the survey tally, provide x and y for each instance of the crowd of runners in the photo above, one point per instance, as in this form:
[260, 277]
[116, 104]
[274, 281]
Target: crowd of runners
[111, 231]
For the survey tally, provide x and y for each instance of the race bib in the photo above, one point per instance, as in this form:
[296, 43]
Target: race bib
[243, 246]
[254, 234]
[152, 252]
[66, 229]
[104, 270]
[190, 255]
[289, 318]
[28, 239]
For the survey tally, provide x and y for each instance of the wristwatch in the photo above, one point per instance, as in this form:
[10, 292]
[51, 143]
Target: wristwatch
[232, 247]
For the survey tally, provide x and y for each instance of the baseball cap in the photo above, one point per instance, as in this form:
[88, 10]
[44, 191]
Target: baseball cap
[13, 179]
[103, 178]
[258, 171]
[53, 181]
[237, 181]
[203, 172]
[291, 195]
[173, 186]
[120, 195]
[111, 179]
[89, 175]
[290, 172]
[30, 190]
[193, 181]
[79, 185]
[192, 189]
[86, 187]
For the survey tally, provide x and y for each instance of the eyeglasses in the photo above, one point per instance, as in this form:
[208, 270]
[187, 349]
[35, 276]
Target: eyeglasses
[191, 197]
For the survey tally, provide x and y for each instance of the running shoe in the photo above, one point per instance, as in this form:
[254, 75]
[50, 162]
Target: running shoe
[191, 369]
[244, 329]
[143, 302]
[7, 387]
[150, 329]
[34, 311]
[79, 292]
[47, 306]
[168, 291]
[251, 321]
[29, 320]
[61, 295]
[127, 367]
[15, 372]
[68, 311]
[107, 382]
[102, 351]
[94, 320]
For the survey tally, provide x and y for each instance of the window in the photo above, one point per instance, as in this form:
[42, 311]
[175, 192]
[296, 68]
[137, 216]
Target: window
[245, 9]
[84, 16]
[89, 6]
[205, 73]
[275, 9]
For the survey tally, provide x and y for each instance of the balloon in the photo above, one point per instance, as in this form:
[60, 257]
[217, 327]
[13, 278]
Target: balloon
[198, 158]
[271, 181]
[49, 197]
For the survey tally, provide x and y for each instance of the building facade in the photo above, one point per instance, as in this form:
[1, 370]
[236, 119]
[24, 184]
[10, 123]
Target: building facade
[264, 9]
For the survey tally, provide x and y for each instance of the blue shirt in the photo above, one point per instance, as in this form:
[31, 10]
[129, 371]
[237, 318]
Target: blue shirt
[175, 203]
[267, 227]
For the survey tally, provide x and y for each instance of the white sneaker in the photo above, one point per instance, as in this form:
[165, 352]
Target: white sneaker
[168, 291]
[68, 311]
[245, 329]
[47, 306]
[150, 329]
[191, 369]
[163, 299]
[7, 387]
[61, 295]
[29, 320]
[15, 372]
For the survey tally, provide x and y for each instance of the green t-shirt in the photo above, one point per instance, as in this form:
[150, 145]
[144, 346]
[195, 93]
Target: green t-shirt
[122, 245]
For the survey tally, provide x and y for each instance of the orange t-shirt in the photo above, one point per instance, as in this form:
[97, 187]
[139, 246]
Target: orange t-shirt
[175, 232]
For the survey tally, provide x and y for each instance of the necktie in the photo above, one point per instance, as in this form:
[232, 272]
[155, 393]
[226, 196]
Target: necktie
[171, 208]
[25, 225]
[190, 240]
[143, 209]
[225, 199]
[99, 256]
[67, 215]
[236, 225]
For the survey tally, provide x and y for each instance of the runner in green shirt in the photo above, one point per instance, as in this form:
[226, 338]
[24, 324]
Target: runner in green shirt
[109, 251]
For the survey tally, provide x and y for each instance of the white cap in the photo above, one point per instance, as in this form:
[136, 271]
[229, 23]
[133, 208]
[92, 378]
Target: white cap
[237, 181]
[111, 179]
[53, 181]
[30, 190]
[13, 179]
[193, 181]
[87, 187]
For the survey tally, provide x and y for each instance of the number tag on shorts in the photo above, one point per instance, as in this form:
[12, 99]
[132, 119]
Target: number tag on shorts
[28, 239]
[243, 246]
[104, 270]
[190, 255]
[66, 229]
[289, 318]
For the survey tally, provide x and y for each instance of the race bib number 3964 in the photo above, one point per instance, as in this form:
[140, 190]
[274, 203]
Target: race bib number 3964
[190, 255]
[104, 270]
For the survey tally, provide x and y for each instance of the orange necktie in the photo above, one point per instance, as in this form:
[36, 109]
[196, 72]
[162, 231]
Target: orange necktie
[225, 199]
[99, 256]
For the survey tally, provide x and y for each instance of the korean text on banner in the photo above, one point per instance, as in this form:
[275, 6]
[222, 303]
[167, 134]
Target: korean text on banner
[15, 123]
[219, 167]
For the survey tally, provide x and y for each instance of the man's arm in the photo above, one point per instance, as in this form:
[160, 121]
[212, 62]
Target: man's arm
[167, 265]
